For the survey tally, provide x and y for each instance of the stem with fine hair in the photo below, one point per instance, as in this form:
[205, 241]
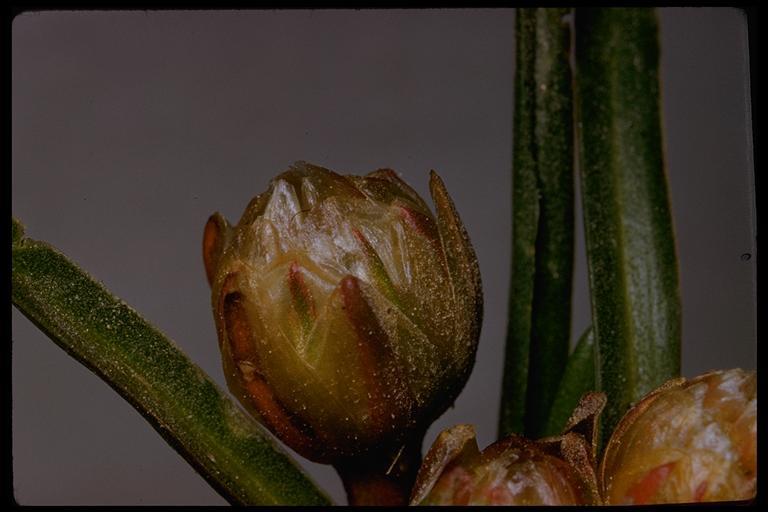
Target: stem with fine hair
[228, 448]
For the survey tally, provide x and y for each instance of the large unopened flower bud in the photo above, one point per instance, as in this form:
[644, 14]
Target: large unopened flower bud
[514, 471]
[348, 314]
[688, 441]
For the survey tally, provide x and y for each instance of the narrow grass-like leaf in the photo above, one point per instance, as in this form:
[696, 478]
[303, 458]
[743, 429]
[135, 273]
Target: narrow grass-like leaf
[228, 448]
[525, 219]
[551, 315]
[628, 225]
[538, 328]
[578, 378]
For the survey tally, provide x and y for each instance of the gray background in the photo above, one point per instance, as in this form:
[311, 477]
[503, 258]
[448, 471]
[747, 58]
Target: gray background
[129, 129]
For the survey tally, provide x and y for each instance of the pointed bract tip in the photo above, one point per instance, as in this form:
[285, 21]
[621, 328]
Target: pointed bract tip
[214, 239]
[17, 231]
[459, 441]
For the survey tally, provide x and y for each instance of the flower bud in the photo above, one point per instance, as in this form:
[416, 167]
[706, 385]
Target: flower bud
[688, 441]
[514, 471]
[348, 315]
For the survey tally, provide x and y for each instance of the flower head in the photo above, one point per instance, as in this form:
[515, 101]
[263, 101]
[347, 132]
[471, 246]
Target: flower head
[514, 471]
[348, 314]
[687, 441]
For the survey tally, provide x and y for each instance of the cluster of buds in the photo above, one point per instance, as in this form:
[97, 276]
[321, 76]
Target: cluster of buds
[347, 313]
[348, 317]
[688, 441]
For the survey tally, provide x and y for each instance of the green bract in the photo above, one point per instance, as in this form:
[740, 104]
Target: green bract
[348, 315]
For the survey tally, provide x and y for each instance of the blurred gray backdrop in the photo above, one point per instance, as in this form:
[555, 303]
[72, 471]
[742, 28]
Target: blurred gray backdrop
[130, 128]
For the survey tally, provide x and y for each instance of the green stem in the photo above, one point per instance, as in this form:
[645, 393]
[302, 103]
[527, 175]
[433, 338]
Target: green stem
[628, 225]
[542, 222]
[578, 379]
[229, 449]
[384, 478]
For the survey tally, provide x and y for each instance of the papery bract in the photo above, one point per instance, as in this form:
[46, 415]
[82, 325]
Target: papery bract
[688, 441]
[557, 470]
[348, 315]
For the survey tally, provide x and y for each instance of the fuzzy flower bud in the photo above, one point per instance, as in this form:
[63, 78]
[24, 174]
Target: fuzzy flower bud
[348, 315]
[514, 471]
[688, 441]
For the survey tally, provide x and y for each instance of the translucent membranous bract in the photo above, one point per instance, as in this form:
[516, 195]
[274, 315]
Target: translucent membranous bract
[348, 314]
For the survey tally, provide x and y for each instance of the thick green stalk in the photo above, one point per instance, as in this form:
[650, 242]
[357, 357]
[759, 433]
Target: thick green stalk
[578, 378]
[525, 214]
[628, 225]
[542, 222]
[228, 448]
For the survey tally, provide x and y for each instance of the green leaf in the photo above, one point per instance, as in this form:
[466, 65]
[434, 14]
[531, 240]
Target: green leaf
[525, 214]
[628, 225]
[542, 222]
[229, 449]
[578, 378]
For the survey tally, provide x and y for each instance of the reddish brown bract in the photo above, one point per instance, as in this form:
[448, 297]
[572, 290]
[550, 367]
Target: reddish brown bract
[513, 471]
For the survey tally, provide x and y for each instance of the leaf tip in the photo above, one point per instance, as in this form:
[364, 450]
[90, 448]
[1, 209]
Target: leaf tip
[17, 231]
